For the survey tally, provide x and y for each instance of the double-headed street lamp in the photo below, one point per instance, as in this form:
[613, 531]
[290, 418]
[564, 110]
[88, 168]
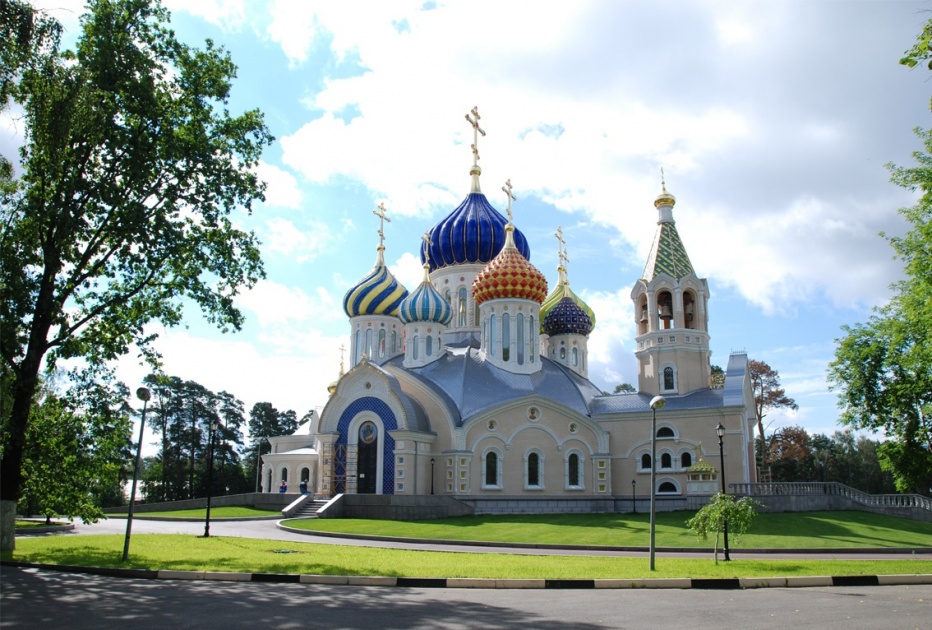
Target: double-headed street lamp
[210, 474]
[657, 402]
[720, 432]
[142, 394]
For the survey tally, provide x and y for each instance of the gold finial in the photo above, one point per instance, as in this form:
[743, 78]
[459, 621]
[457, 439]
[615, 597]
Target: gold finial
[381, 213]
[476, 130]
[511, 197]
[427, 244]
[561, 256]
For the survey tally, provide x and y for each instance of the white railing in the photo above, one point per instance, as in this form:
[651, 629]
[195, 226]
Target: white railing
[916, 501]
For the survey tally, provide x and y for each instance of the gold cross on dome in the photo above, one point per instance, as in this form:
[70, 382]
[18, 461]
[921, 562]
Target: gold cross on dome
[342, 352]
[427, 244]
[476, 130]
[511, 197]
[381, 213]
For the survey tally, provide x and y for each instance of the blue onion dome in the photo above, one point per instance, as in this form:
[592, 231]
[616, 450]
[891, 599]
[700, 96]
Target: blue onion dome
[563, 290]
[473, 233]
[567, 318]
[379, 293]
[425, 304]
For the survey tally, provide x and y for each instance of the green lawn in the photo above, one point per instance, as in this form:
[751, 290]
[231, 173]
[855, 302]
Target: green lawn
[784, 530]
[193, 553]
[227, 511]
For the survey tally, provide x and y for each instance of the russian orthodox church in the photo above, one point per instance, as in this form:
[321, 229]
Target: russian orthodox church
[475, 384]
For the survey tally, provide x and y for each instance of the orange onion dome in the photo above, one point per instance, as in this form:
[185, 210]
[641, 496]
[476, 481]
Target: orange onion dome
[509, 275]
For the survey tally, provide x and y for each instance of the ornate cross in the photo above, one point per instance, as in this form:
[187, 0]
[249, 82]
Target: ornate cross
[511, 197]
[561, 255]
[476, 130]
[663, 183]
[382, 219]
[427, 244]
[342, 351]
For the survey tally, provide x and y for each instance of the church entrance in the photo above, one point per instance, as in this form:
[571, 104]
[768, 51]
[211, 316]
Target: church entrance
[368, 461]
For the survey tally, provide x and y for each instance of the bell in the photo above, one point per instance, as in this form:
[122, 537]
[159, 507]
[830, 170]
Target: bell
[665, 312]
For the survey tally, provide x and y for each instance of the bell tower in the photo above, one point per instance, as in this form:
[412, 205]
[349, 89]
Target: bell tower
[671, 313]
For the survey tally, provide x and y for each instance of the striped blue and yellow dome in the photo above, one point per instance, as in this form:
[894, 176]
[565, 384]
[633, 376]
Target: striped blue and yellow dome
[379, 293]
[473, 233]
[425, 304]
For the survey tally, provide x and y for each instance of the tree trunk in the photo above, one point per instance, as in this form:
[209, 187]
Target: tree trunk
[7, 525]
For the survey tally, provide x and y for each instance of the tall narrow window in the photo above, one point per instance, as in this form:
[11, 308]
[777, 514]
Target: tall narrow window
[461, 307]
[572, 472]
[491, 469]
[666, 460]
[531, 337]
[430, 346]
[506, 336]
[520, 327]
[414, 350]
[491, 336]
[394, 342]
[369, 352]
[358, 348]
[669, 382]
[575, 357]
[645, 461]
[382, 344]
[533, 469]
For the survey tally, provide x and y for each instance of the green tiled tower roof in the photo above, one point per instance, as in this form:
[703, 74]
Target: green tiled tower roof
[667, 254]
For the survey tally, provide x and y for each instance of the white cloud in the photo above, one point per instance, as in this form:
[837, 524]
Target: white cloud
[284, 237]
[282, 188]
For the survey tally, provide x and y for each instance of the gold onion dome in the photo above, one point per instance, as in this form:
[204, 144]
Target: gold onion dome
[509, 275]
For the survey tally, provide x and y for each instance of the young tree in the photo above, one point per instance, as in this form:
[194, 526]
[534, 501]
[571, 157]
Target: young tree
[722, 508]
[765, 381]
[717, 377]
[131, 166]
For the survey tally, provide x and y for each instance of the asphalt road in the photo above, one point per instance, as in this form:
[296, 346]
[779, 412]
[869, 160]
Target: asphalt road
[33, 598]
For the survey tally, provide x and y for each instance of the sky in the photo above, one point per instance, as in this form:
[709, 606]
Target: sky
[772, 122]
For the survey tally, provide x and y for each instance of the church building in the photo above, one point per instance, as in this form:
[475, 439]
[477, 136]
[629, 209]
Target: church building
[475, 384]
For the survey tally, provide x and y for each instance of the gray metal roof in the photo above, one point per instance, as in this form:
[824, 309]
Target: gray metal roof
[472, 385]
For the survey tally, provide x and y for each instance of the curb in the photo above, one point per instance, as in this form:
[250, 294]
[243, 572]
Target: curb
[490, 583]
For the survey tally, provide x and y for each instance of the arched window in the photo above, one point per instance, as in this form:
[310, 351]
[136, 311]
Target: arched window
[491, 470]
[665, 432]
[574, 471]
[369, 352]
[358, 348]
[667, 487]
[575, 357]
[531, 337]
[414, 349]
[562, 353]
[534, 470]
[430, 346]
[491, 336]
[305, 474]
[686, 460]
[669, 378]
[645, 461]
[461, 307]
[382, 344]
[506, 336]
[666, 460]
[520, 326]
[284, 474]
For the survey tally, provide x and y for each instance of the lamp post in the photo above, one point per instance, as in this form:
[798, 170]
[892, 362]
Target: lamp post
[432, 475]
[720, 432]
[634, 506]
[210, 474]
[142, 394]
[258, 456]
[657, 402]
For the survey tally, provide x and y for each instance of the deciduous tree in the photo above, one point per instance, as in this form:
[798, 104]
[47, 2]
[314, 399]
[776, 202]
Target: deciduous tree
[132, 165]
[768, 395]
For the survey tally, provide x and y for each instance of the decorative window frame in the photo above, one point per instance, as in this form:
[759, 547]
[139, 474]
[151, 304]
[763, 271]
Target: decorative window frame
[664, 480]
[688, 452]
[499, 469]
[662, 380]
[581, 472]
[640, 461]
[541, 484]
[665, 427]
[671, 454]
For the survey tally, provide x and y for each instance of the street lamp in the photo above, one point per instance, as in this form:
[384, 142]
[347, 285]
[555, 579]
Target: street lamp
[720, 432]
[210, 474]
[657, 402]
[142, 394]
[634, 506]
[432, 475]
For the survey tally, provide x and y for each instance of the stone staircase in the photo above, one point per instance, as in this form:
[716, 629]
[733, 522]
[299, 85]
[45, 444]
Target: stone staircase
[309, 509]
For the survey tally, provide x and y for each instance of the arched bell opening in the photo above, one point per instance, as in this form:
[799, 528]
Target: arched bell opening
[665, 309]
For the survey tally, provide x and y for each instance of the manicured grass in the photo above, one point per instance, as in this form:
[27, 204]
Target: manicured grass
[192, 553]
[785, 530]
[227, 511]
[21, 524]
